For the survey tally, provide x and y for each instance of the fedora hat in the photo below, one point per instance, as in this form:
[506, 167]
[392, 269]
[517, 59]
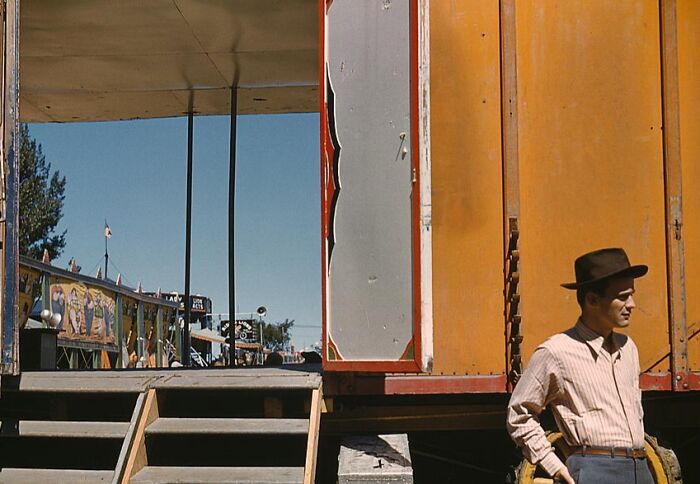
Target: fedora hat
[602, 264]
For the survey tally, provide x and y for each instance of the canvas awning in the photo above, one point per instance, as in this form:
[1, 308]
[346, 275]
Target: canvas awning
[102, 60]
[207, 335]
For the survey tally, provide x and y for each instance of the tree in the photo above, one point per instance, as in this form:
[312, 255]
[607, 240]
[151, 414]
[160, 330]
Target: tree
[41, 196]
[276, 335]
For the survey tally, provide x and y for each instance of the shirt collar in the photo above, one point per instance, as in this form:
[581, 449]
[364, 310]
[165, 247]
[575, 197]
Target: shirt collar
[593, 339]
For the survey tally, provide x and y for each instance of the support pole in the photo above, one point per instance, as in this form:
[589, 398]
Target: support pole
[140, 332]
[119, 330]
[188, 243]
[159, 337]
[232, 229]
[9, 230]
[673, 187]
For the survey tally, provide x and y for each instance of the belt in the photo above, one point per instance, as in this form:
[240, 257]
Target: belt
[610, 451]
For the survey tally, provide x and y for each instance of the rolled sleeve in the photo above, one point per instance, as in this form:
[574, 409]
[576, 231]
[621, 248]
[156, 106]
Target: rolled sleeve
[532, 393]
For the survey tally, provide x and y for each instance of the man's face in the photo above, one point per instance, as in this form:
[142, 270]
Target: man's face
[615, 308]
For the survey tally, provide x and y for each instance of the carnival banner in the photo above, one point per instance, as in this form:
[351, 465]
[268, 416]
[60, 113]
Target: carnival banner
[86, 313]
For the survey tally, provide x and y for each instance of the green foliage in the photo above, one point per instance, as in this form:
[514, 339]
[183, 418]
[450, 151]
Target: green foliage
[41, 196]
[276, 335]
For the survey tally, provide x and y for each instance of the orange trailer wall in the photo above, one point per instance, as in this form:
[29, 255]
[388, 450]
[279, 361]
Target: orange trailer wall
[467, 217]
[590, 158]
[689, 93]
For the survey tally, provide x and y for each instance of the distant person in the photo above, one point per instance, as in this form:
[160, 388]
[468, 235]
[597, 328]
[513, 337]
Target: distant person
[311, 357]
[589, 377]
[273, 359]
[58, 303]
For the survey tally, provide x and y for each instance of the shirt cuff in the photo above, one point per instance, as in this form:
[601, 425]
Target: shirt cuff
[551, 463]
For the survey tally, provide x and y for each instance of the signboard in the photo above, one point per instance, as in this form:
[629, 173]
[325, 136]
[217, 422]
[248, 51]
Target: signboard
[247, 330]
[198, 304]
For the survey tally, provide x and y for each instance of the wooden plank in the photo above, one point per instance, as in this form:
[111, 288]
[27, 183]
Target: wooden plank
[673, 191]
[511, 187]
[239, 475]
[192, 382]
[137, 453]
[140, 381]
[466, 179]
[250, 426]
[312, 441]
[54, 476]
[93, 430]
[688, 40]
[591, 110]
[272, 407]
[129, 438]
[9, 257]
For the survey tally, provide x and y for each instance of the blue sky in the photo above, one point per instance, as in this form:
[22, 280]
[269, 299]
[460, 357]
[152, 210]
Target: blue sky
[133, 173]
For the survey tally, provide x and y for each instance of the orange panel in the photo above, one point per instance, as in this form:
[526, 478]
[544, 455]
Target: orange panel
[467, 207]
[689, 91]
[590, 154]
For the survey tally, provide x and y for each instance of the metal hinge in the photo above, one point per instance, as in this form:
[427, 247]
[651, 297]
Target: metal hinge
[512, 301]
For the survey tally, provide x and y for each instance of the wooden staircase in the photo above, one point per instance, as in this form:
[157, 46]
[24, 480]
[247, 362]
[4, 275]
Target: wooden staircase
[179, 426]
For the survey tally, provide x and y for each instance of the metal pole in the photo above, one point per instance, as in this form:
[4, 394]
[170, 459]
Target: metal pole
[119, 330]
[140, 332]
[188, 242]
[106, 252]
[159, 337]
[232, 228]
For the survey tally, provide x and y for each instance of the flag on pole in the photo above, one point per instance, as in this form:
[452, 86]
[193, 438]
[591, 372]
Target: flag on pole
[108, 231]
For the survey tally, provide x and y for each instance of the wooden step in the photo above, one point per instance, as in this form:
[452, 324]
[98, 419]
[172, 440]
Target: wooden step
[137, 381]
[239, 475]
[91, 430]
[257, 426]
[54, 476]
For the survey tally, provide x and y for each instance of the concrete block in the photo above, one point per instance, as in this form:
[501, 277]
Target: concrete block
[375, 458]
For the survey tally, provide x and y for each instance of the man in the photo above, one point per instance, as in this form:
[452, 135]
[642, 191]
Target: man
[589, 377]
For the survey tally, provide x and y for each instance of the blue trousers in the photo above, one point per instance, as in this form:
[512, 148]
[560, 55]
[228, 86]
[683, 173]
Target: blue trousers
[602, 469]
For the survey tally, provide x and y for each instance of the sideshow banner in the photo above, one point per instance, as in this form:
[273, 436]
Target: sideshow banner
[29, 289]
[87, 313]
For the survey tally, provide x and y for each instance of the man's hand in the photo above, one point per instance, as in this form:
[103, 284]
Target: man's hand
[564, 476]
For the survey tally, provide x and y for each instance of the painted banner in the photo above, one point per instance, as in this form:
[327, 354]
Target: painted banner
[29, 289]
[86, 313]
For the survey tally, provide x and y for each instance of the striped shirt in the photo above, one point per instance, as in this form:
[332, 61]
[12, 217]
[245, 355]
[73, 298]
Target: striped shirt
[593, 394]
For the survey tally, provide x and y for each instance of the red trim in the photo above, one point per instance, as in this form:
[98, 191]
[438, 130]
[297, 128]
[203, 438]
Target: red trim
[415, 195]
[327, 191]
[358, 384]
[323, 124]
[380, 366]
[331, 345]
[336, 383]
[655, 381]
[663, 381]
[693, 380]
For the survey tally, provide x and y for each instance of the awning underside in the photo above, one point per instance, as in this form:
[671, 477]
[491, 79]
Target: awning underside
[99, 60]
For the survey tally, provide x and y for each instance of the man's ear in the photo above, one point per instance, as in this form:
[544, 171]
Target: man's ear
[592, 298]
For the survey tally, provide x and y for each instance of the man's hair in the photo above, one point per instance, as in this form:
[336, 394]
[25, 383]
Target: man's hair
[598, 288]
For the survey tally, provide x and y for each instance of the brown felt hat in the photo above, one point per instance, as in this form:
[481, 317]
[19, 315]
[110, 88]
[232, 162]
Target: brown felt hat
[603, 264]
